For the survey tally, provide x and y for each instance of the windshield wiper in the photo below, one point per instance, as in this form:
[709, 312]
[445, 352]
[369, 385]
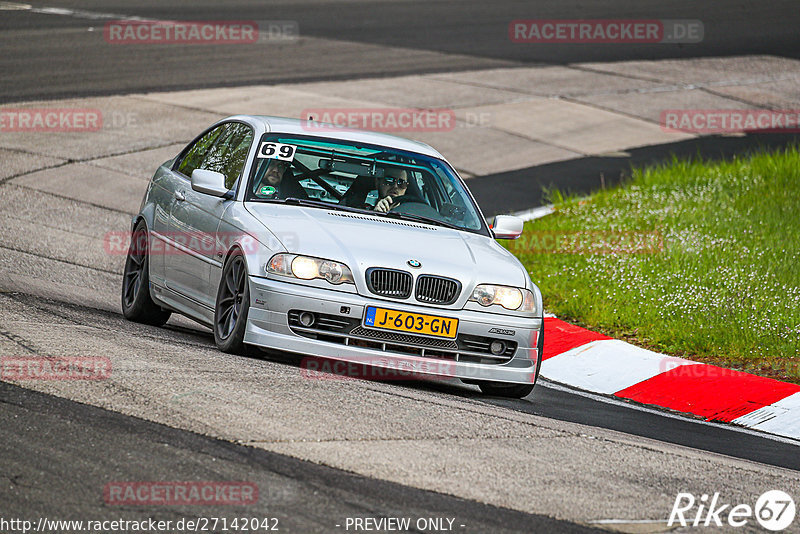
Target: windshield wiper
[325, 205]
[319, 204]
[305, 202]
[422, 219]
[416, 218]
[272, 200]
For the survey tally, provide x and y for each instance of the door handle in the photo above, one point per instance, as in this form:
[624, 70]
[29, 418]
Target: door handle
[180, 195]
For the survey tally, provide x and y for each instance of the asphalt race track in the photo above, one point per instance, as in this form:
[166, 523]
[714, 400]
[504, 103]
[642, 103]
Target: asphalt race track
[51, 55]
[306, 497]
[323, 451]
[428, 435]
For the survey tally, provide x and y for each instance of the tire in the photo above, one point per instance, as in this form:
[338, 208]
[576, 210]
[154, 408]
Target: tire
[499, 389]
[232, 305]
[516, 391]
[540, 351]
[137, 305]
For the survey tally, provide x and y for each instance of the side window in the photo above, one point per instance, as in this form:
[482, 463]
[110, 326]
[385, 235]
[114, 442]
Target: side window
[240, 140]
[224, 149]
[228, 154]
[194, 156]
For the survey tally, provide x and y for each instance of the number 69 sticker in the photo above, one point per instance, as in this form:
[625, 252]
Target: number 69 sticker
[276, 151]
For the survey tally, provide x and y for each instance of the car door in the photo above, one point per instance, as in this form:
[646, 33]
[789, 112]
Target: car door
[195, 217]
[169, 183]
[161, 193]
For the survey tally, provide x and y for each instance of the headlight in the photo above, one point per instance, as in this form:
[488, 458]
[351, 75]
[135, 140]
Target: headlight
[511, 298]
[307, 268]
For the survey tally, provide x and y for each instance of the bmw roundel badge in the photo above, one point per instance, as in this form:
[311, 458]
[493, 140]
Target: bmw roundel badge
[414, 263]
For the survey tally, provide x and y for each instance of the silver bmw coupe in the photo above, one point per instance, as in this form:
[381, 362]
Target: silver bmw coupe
[340, 244]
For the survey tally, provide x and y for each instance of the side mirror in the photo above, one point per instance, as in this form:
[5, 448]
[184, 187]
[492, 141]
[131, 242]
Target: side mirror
[209, 182]
[507, 227]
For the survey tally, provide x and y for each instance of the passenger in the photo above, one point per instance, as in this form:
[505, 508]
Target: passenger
[278, 182]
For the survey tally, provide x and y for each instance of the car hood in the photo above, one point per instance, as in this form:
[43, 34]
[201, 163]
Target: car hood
[363, 240]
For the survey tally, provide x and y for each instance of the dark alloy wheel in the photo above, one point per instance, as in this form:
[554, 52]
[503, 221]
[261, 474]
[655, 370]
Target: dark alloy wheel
[233, 303]
[137, 304]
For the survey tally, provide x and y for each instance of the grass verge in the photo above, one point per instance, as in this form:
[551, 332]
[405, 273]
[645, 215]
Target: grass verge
[695, 259]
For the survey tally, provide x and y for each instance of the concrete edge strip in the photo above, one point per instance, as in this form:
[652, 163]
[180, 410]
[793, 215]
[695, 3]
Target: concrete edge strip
[594, 362]
[535, 213]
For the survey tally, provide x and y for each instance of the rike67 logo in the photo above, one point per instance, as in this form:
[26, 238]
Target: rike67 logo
[774, 510]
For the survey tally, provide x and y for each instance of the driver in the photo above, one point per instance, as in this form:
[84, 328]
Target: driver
[394, 184]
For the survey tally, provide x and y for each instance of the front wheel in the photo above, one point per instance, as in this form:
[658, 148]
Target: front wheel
[137, 305]
[513, 391]
[516, 391]
[233, 303]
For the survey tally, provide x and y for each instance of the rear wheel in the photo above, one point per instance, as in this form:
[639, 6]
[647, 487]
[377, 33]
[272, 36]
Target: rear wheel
[233, 303]
[137, 305]
[516, 391]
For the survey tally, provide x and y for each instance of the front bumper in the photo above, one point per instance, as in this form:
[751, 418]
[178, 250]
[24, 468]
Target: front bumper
[268, 326]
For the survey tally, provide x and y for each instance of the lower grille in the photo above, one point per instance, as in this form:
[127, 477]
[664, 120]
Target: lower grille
[349, 331]
[396, 337]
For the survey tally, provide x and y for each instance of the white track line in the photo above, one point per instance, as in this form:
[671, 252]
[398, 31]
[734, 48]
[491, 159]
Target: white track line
[76, 13]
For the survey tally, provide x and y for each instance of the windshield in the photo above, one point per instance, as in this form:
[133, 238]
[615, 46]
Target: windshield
[364, 177]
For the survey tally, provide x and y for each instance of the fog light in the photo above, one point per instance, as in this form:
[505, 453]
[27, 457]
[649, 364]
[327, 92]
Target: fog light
[497, 347]
[307, 319]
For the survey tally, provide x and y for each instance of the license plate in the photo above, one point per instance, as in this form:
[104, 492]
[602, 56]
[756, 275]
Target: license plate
[415, 323]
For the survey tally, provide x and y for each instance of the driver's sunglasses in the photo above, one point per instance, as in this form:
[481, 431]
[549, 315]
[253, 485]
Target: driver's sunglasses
[400, 182]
